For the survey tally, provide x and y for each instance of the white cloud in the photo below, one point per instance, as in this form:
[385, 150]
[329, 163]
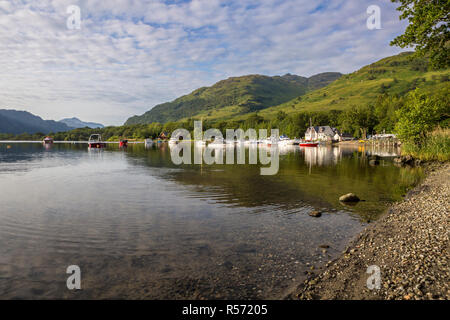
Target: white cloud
[130, 55]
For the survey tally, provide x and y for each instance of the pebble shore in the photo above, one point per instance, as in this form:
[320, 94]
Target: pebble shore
[409, 244]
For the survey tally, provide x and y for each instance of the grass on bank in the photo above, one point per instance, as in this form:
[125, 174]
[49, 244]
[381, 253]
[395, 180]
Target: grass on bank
[435, 147]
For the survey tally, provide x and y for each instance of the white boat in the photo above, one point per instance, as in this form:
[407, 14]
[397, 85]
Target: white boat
[285, 141]
[148, 143]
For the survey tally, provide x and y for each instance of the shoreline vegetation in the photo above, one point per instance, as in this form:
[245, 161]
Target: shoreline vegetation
[409, 244]
[435, 147]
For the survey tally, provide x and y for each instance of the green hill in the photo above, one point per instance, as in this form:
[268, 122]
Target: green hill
[393, 75]
[235, 96]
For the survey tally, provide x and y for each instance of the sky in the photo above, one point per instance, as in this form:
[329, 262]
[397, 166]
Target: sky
[130, 55]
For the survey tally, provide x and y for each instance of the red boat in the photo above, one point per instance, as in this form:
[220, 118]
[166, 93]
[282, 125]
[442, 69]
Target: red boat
[123, 143]
[95, 142]
[308, 144]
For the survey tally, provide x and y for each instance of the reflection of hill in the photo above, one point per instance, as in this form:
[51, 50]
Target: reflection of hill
[23, 157]
[307, 177]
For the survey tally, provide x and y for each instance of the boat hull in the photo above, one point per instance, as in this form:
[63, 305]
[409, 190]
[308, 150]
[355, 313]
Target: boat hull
[308, 144]
[97, 145]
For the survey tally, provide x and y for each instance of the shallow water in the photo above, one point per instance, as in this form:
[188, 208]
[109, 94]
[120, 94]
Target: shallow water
[141, 227]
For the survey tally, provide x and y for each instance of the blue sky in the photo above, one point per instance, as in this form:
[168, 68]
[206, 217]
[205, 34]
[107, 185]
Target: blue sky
[130, 55]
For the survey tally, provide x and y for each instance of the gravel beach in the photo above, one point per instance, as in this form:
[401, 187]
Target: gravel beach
[409, 245]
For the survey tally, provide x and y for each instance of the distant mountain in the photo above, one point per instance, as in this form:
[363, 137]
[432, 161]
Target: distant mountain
[77, 123]
[16, 122]
[235, 96]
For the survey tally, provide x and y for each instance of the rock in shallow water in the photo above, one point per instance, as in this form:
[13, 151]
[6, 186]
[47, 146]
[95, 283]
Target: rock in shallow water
[349, 197]
[315, 214]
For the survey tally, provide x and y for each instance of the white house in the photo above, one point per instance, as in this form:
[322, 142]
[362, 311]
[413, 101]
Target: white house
[322, 133]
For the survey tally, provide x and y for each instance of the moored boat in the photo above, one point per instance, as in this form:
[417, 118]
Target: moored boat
[308, 144]
[285, 141]
[47, 140]
[123, 143]
[95, 142]
[148, 143]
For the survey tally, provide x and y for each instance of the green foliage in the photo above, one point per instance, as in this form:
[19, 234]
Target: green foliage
[420, 114]
[358, 120]
[385, 111]
[428, 29]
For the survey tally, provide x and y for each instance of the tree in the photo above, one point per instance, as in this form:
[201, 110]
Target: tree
[281, 115]
[385, 110]
[358, 120]
[420, 115]
[428, 29]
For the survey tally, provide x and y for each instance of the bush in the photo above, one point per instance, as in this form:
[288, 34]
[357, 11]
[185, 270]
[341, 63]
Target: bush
[435, 147]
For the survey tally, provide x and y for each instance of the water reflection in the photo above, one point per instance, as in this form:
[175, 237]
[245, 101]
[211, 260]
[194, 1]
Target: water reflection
[324, 156]
[303, 176]
[140, 226]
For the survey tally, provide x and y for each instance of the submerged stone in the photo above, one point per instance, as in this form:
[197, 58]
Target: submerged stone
[349, 197]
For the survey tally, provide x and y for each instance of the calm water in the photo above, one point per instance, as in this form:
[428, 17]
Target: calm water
[140, 227]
